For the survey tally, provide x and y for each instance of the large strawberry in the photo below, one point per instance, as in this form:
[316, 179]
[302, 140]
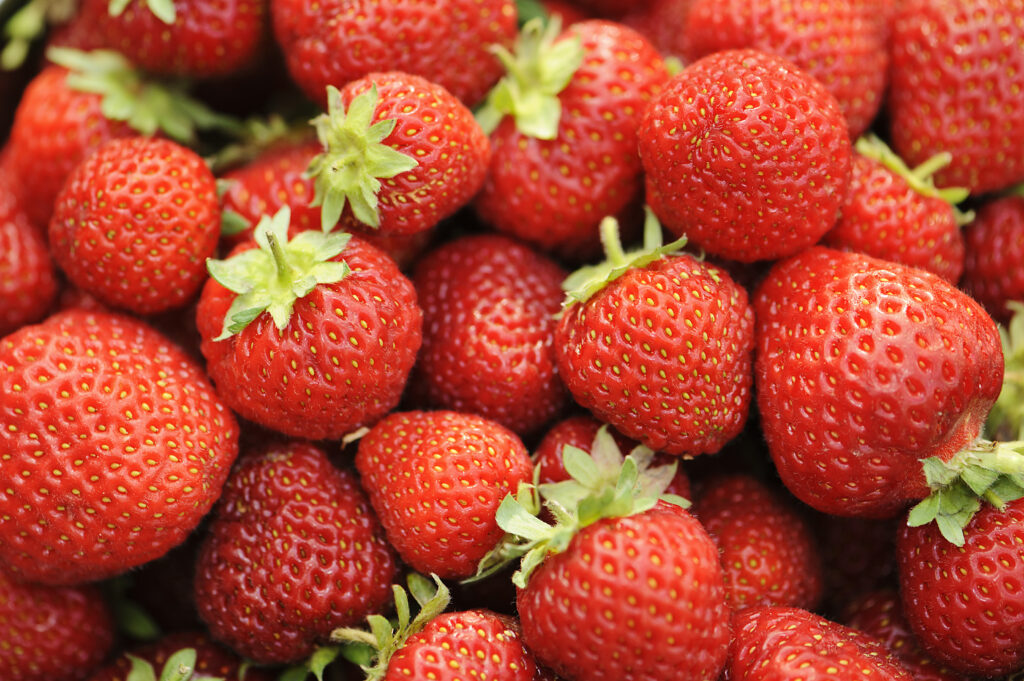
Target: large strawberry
[747, 155]
[118, 447]
[135, 223]
[957, 71]
[293, 552]
[325, 321]
[994, 249]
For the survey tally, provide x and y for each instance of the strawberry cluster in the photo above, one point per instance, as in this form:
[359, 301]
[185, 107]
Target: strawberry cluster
[595, 340]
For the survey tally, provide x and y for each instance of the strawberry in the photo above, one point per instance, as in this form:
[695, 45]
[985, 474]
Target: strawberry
[293, 552]
[769, 556]
[747, 155]
[448, 43]
[773, 643]
[435, 480]
[995, 247]
[964, 603]
[563, 131]
[896, 213]
[658, 344]
[326, 321]
[52, 632]
[124, 447]
[488, 331]
[211, 661]
[956, 72]
[135, 223]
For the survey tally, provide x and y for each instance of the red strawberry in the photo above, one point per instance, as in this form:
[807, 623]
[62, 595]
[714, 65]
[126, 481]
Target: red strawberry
[769, 556]
[563, 130]
[125, 446]
[995, 249]
[957, 71]
[488, 331]
[435, 480]
[326, 321]
[51, 632]
[293, 552]
[447, 43]
[212, 660]
[964, 604]
[747, 155]
[782, 644]
[135, 223]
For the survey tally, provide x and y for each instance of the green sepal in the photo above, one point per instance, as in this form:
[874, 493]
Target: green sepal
[920, 178]
[1006, 420]
[589, 279]
[273, 276]
[161, 9]
[147, 106]
[354, 159]
[538, 70]
[29, 24]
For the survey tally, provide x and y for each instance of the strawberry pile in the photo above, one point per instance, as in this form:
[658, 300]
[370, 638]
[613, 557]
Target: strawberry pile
[580, 340]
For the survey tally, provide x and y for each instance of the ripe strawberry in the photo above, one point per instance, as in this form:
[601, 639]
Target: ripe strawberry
[773, 643]
[658, 344]
[769, 556]
[896, 213]
[563, 131]
[293, 552]
[212, 660]
[435, 480]
[747, 155]
[488, 341]
[879, 614]
[964, 604]
[995, 248]
[866, 368]
[957, 69]
[448, 44]
[135, 223]
[125, 447]
[52, 633]
[326, 321]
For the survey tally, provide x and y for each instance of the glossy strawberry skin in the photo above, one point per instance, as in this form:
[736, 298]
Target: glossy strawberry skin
[631, 598]
[779, 644]
[965, 605]
[436, 480]
[130, 447]
[956, 66]
[294, 552]
[488, 331]
[663, 354]
[446, 43]
[995, 249]
[885, 218]
[554, 193]
[135, 223]
[865, 367]
[212, 659]
[747, 155]
[52, 633]
[351, 345]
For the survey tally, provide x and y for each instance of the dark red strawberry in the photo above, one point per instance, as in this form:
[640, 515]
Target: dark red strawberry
[747, 155]
[211, 660]
[50, 632]
[995, 248]
[126, 447]
[293, 553]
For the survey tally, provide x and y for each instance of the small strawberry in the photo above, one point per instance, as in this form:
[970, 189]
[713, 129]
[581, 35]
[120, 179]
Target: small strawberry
[52, 632]
[435, 480]
[326, 321]
[747, 155]
[293, 552]
[995, 248]
[207, 660]
[123, 447]
[135, 223]
[488, 331]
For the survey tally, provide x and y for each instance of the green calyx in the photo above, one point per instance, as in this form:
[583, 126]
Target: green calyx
[541, 67]
[161, 9]
[354, 159]
[989, 471]
[29, 24]
[372, 650]
[181, 666]
[273, 276]
[145, 105]
[1006, 420]
[588, 280]
[920, 178]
